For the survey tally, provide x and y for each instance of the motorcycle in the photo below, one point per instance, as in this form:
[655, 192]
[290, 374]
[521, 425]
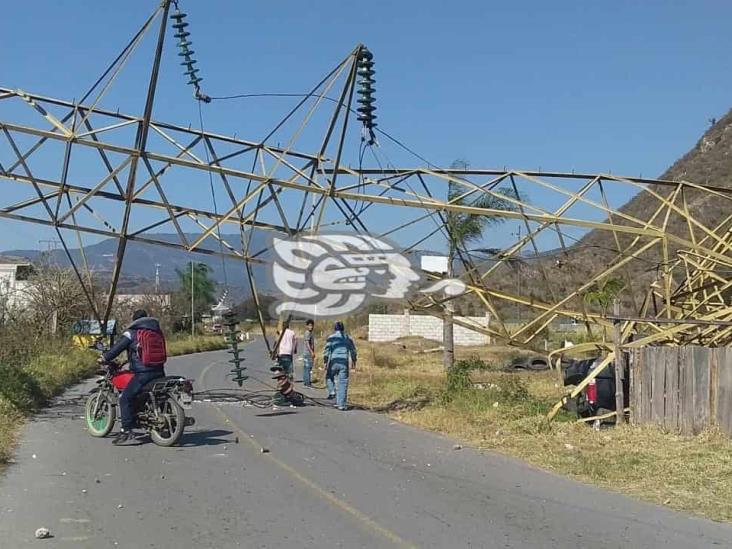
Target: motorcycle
[159, 408]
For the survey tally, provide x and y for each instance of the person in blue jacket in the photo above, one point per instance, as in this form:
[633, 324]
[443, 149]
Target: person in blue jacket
[339, 348]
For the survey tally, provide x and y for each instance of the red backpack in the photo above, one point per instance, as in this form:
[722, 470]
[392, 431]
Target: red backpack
[151, 348]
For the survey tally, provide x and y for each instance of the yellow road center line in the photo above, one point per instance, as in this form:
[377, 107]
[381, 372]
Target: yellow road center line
[367, 522]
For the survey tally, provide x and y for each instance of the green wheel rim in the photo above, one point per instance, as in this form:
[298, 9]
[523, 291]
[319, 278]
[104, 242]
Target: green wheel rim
[100, 423]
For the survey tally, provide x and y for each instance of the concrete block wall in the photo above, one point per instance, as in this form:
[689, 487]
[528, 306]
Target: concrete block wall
[392, 327]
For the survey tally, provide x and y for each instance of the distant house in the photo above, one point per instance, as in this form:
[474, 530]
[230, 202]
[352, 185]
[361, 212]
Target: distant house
[15, 273]
[140, 300]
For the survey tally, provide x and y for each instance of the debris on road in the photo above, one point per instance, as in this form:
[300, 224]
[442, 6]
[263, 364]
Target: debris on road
[265, 450]
[457, 447]
[43, 533]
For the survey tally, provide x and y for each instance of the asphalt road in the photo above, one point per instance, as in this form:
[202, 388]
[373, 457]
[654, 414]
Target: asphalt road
[329, 479]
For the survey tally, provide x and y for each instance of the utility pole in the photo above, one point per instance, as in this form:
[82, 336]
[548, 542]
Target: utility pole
[193, 317]
[448, 339]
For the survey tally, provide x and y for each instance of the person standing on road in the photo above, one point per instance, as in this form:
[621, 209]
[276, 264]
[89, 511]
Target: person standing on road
[286, 349]
[308, 353]
[339, 348]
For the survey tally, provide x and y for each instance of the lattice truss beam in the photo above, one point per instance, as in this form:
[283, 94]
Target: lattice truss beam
[80, 168]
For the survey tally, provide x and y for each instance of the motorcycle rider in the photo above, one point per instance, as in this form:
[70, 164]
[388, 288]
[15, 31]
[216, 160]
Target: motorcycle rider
[145, 345]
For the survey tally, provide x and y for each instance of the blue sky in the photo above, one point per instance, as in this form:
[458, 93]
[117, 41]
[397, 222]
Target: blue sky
[617, 86]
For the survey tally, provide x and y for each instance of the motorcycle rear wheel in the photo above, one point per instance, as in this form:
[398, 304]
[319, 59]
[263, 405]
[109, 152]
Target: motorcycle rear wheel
[175, 419]
[101, 423]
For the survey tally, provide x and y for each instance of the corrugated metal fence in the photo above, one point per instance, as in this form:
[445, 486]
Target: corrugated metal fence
[682, 389]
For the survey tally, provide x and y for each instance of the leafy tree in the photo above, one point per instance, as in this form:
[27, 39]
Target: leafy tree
[465, 228]
[602, 294]
[204, 289]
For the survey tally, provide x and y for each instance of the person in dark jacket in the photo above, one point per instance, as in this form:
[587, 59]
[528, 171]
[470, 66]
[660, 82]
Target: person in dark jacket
[143, 372]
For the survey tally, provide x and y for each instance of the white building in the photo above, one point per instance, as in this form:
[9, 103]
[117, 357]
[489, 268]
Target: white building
[140, 300]
[392, 327]
[14, 275]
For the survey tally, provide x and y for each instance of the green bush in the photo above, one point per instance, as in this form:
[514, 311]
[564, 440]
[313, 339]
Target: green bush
[28, 384]
[19, 388]
[458, 377]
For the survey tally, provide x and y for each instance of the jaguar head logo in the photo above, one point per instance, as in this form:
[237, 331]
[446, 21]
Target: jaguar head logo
[334, 274]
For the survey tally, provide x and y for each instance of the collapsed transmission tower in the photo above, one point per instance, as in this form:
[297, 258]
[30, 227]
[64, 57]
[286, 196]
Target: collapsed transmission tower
[129, 176]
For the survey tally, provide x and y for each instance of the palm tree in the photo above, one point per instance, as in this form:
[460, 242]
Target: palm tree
[462, 229]
[602, 294]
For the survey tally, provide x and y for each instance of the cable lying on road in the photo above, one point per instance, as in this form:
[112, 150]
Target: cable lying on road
[259, 399]
[262, 398]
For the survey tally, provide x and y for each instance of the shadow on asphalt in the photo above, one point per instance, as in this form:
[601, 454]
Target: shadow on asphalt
[275, 414]
[212, 437]
[60, 407]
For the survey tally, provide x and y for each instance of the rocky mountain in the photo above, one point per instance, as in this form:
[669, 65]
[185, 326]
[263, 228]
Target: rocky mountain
[708, 163]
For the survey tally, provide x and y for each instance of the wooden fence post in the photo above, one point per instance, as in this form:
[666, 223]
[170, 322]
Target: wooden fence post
[619, 367]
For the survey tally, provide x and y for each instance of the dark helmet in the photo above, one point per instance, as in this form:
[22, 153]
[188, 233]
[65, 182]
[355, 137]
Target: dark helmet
[139, 313]
[338, 327]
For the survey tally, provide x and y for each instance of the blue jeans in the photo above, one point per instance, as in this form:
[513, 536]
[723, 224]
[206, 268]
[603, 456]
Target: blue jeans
[285, 362]
[127, 398]
[307, 368]
[339, 386]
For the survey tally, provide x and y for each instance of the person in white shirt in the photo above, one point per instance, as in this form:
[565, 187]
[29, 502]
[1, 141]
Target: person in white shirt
[286, 349]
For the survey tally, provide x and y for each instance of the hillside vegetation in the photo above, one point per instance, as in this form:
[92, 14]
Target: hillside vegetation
[708, 163]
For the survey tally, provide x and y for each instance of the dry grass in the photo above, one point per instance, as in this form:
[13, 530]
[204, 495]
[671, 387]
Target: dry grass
[10, 420]
[692, 474]
[199, 344]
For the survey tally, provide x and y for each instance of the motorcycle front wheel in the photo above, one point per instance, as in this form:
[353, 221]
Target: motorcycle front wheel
[100, 414]
[174, 419]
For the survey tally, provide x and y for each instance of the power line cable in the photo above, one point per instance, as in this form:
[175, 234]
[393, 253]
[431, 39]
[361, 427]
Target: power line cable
[213, 197]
